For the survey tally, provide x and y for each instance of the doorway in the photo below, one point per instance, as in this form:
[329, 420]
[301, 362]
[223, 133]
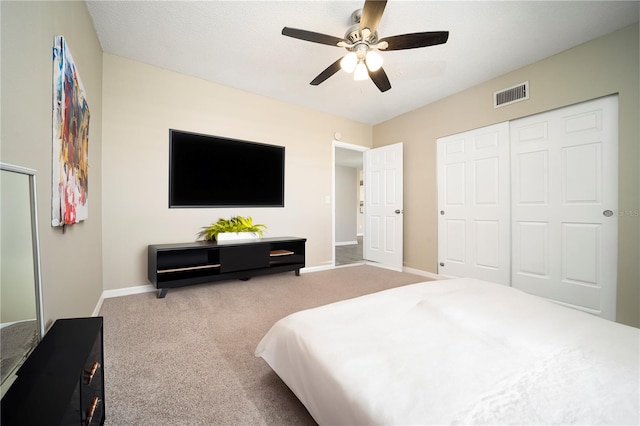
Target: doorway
[348, 206]
[378, 203]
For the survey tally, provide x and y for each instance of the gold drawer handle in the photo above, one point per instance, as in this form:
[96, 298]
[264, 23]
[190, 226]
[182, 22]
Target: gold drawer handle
[88, 375]
[92, 409]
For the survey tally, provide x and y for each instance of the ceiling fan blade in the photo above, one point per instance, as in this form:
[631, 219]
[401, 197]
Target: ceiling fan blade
[380, 79]
[371, 14]
[311, 36]
[414, 40]
[328, 72]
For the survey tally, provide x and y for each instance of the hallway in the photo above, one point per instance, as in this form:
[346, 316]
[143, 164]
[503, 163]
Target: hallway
[349, 254]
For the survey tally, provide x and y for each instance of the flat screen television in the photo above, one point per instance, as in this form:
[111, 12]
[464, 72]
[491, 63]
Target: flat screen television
[214, 171]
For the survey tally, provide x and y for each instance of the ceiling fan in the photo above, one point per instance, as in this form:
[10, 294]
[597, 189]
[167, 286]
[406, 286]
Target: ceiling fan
[362, 43]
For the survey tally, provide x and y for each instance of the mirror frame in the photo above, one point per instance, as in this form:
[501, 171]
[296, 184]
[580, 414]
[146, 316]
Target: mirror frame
[35, 241]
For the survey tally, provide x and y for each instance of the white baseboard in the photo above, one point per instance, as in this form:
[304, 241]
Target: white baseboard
[128, 291]
[346, 243]
[148, 288]
[107, 294]
[380, 265]
[365, 262]
[406, 269]
[96, 311]
[424, 273]
[348, 265]
[308, 269]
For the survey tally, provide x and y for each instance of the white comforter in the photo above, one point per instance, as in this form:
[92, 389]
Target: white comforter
[458, 351]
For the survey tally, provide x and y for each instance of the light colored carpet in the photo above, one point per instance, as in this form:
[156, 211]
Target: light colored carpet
[188, 359]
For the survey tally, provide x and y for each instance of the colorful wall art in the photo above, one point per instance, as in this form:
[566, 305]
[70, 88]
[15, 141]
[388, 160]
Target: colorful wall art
[70, 201]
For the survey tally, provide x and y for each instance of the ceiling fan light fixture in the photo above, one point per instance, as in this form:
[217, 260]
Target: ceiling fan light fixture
[361, 72]
[373, 60]
[349, 62]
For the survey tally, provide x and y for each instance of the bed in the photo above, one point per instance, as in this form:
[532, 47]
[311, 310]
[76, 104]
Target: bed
[458, 351]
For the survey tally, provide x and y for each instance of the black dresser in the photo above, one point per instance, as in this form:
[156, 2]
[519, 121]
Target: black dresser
[62, 381]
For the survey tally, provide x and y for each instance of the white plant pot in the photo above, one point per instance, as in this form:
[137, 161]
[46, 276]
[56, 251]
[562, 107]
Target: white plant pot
[235, 236]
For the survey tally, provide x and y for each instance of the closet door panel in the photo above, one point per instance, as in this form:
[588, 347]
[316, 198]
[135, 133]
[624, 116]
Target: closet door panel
[487, 249]
[531, 252]
[564, 179]
[456, 238]
[531, 178]
[473, 204]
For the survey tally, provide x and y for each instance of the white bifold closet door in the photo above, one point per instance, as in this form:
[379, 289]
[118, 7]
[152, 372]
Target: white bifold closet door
[564, 177]
[473, 204]
[532, 203]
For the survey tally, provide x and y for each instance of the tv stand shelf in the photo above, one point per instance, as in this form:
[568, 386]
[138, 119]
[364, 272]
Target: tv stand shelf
[182, 264]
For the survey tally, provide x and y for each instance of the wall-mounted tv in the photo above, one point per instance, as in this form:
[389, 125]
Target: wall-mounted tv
[214, 171]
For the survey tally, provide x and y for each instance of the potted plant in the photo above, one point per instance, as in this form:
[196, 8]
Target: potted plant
[235, 228]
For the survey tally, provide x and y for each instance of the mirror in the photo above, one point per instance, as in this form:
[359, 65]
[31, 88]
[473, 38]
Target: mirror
[21, 324]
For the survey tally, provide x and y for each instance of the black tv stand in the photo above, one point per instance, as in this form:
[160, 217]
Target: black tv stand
[182, 264]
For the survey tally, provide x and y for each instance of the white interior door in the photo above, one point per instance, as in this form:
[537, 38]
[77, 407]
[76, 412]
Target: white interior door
[383, 201]
[565, 200]
[473, 204]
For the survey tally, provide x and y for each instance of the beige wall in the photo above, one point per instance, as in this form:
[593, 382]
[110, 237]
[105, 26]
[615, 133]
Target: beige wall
[71, 262]
[141, 104]
[601, 67]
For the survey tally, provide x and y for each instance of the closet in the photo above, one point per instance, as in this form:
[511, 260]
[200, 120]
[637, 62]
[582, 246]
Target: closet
[532, 203]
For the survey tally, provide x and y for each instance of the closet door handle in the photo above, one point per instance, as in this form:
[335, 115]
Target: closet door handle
[607, 213]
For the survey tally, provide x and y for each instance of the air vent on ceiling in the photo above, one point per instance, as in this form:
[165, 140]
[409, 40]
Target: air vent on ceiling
[517, 93]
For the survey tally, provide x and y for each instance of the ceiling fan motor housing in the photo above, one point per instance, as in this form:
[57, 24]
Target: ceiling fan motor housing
[353, 36]
[353, 32]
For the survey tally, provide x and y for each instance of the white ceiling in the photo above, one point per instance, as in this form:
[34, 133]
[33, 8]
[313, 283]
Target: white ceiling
[239, 44]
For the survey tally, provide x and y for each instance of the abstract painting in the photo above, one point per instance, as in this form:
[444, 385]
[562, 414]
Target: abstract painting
[70, 201]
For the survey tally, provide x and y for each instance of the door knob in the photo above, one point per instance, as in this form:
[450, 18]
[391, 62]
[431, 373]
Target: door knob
[607, 213]
[398, 211]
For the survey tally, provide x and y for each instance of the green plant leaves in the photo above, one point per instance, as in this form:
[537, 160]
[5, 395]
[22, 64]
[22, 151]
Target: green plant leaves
[233, 224]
